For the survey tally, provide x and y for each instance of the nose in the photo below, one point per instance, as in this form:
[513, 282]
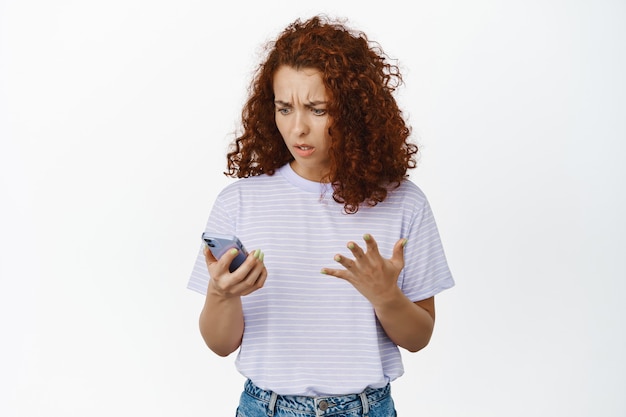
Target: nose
[301, 125]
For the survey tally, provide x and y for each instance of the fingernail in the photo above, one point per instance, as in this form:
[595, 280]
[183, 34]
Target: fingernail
[338, 258]
[367, 236]
[350, 245]
[233, 251]
[404, 242]
[257, 253]
[262, 257]
[323, 271]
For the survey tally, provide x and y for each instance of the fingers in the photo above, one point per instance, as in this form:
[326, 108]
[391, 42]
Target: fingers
[347, 263]
[353, 265]
[355, 249]
[370, 242]
[255, 280]
[250, 276]
[247, 278]
[398, 250]
[362, 259]
[224, 262]
[208, 255]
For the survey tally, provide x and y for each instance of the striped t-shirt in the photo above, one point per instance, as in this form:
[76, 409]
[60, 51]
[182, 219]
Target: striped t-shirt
[312, 334]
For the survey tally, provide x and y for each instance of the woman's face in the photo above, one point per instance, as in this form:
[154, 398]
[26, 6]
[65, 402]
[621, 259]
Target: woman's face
[301, 101]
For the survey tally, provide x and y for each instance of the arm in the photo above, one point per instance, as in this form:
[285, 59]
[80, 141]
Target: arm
[221, 320]
[409, 325]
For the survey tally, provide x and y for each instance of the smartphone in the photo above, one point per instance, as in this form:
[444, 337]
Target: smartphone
[220, 244]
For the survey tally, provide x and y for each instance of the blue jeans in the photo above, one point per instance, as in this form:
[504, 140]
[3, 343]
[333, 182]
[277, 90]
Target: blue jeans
[256, 402]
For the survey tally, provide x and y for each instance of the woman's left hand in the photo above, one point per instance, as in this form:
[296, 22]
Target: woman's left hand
[370, 273]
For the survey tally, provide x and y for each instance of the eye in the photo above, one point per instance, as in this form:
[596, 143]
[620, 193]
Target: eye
[283, 110]
[318, 112]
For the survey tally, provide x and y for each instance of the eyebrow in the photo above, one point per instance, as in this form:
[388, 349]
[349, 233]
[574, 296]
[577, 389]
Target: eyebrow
[309, 104]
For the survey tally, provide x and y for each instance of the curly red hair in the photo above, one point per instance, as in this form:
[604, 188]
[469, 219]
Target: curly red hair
[370, 151]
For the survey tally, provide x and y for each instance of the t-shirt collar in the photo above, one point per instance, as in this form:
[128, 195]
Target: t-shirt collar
[302, 183]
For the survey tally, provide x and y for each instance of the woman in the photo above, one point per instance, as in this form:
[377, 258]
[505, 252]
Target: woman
[323, 156]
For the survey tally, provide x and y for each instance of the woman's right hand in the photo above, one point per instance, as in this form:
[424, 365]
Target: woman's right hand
[221, 319]
[246, 279]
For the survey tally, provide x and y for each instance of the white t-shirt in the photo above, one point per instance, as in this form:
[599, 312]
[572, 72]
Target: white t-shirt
[307, 333]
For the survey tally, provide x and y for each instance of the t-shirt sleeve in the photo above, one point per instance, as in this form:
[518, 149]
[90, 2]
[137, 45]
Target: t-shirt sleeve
[219, 222]
[426, 272]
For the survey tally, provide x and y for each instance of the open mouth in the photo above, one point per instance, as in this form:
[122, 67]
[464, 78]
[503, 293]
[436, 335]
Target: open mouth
[304, 150]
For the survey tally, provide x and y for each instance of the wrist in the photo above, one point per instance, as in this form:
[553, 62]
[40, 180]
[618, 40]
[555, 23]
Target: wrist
[391, 298]
[218, 294]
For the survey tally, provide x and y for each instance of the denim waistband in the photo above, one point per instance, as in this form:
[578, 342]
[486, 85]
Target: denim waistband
[319, 406]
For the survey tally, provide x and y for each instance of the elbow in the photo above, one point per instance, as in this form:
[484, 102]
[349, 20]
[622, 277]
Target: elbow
[220, 348]
[421, 339]
[221, 345]
[419, 345]
[220, 351]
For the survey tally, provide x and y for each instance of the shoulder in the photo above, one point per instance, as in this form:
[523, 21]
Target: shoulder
[252, 183]
[251, 190]
[411, 189]
[408, 193]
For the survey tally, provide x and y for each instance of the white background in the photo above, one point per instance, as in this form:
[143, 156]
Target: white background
[115, 117]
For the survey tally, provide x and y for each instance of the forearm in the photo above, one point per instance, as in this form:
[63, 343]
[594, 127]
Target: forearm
[406, 323]
[221, 323]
